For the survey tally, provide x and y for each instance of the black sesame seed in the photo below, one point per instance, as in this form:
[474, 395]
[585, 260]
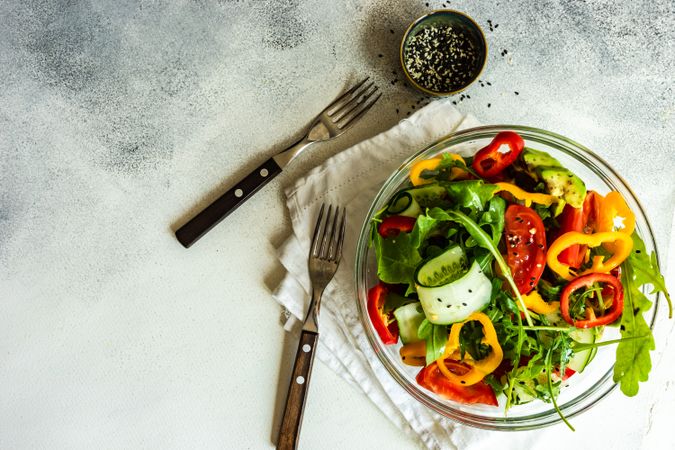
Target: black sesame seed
[488, 83]
[439, 299]
[462, 381]
[448, 306]
[516, 92]
[470, 291]
[391, 31]
[380, 55]
[637, 251]
[463, 304]
[488, 105]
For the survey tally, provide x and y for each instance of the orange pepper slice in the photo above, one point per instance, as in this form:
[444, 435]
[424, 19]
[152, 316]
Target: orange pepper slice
[481, 368]
[414, 354]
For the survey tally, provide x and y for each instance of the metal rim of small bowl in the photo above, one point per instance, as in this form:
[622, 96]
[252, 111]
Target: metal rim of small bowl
[421, 19]
[538, 420]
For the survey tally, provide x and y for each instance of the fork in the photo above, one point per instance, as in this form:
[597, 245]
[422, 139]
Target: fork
[324, 257]
[337, 118]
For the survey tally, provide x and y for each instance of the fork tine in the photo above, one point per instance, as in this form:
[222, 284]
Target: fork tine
[335, 232]
[325, 238]
[338, 236]
[341, 238]
[352, 118]
[347, 103]
[317, 228]
[340, 101]
[354, 103]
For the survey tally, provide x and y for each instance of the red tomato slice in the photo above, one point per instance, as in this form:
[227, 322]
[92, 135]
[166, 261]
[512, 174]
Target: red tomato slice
[433, 379]
[384, 324]
[392, 226]
[498, 154]
[526, 246]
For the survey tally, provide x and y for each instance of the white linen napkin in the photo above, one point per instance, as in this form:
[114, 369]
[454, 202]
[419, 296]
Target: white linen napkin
[352, 178]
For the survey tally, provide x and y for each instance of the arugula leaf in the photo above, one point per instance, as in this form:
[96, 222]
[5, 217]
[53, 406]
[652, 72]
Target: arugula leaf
[470, 194]
[494, 218]
[484, 241]
[447, 163]
[646, 270]
[436, 342]
[633, 361]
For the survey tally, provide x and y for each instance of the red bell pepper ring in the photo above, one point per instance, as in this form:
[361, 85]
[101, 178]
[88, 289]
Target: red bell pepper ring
[610, 316]
[583, 220]
[392, 226]
[498, 155]
[384, 324]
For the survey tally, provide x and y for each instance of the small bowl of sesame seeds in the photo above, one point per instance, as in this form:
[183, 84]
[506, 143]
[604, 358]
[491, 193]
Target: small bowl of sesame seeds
[443, 52]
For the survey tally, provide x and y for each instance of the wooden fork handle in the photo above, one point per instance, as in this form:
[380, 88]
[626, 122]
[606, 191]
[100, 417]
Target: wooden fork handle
[200, 224]
[297, 392]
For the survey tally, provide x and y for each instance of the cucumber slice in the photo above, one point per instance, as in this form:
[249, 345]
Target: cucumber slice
[580, 360]
[442, 269]
[404, 204]
[457, 300]
[409, 318]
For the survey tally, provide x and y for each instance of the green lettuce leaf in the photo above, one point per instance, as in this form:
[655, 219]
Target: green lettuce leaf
[397, 258]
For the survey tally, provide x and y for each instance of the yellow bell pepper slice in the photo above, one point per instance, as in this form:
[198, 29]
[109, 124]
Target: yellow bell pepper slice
[431, 164]
[481, 368]
[534, 302]
[623, 244]
[527, 197]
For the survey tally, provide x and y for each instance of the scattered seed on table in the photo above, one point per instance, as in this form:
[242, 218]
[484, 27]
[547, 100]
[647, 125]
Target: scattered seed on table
[516, 92]
[488, 83]
[489, 104]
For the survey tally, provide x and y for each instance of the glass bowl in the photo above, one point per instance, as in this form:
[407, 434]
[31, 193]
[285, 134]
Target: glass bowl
[584, 389]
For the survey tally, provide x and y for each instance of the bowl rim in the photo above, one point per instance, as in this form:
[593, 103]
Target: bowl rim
[535, 420]
[438, 12]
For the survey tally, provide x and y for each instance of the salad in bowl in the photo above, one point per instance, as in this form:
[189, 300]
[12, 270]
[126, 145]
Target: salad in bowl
[498, 276]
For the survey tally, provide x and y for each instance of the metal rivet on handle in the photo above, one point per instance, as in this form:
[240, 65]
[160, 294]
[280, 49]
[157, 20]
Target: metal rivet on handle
[264, 172]
[238, 193]
[306, 348]
[300, 380]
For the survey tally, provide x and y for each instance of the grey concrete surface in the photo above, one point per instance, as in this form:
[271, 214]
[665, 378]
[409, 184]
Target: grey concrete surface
[119, 119]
